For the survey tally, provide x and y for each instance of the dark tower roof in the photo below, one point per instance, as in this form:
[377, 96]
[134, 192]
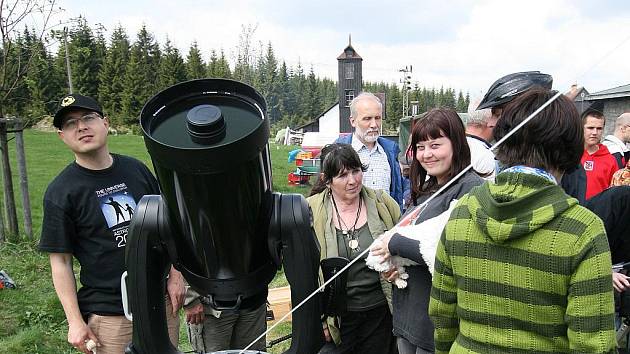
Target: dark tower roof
[349, 52]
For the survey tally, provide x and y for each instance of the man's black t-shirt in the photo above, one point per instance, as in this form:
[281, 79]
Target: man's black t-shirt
[87, 213]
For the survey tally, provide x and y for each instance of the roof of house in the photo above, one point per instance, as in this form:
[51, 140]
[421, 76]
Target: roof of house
[615, 92]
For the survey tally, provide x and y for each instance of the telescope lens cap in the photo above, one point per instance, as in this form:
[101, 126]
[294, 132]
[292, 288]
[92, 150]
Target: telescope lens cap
[205, 124]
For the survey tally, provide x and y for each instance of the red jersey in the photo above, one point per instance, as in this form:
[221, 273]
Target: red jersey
[599, 167]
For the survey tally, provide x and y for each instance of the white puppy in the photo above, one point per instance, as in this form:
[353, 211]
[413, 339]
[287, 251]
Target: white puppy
[428, 233]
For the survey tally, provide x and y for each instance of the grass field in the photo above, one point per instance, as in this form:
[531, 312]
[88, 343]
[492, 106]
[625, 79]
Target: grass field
[32, 320]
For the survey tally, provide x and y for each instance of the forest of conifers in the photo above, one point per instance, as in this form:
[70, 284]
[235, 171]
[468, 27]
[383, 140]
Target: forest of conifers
[123, 72]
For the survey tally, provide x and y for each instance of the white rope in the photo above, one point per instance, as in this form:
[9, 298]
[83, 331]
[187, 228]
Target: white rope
[416, 211]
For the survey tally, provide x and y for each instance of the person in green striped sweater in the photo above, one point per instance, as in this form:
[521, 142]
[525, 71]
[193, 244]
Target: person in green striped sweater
[521, 267]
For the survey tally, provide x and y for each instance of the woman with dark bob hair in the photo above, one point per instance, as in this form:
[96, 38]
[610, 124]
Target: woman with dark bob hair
[521, 266]
[440, 150]
[347, 217]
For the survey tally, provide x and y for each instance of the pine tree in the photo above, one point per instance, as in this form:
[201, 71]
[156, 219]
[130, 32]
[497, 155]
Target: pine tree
[212, 64]
[267, 74]
[328, 92]
[431, 99]
[297, 84]
[312, 101]
[100, 47]
[195, 67]
[59, 68]
[283, 90]
[218, 67]
[422, 100]
[394, 105]
[172, 69]
[449, 99]
[13, 79]
[461, 103]
[84, 58]
[41, 82]
[467, 99]
[112, 75]
[140, 77]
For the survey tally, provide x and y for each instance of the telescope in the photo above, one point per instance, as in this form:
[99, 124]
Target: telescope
[217, 219]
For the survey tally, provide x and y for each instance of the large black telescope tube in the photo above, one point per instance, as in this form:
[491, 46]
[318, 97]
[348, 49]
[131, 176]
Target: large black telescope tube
[208, 143]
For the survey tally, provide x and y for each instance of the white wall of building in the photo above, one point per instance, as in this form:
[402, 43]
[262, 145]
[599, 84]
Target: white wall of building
[329, 122]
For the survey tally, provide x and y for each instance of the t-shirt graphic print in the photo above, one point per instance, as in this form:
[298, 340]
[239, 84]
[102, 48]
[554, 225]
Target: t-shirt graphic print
[117, 204]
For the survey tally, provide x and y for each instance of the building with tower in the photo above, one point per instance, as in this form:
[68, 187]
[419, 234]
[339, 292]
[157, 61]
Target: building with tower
[349, 83]
[336, 119]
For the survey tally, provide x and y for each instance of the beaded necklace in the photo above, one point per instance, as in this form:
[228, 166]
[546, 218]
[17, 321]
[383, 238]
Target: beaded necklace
[349, 232]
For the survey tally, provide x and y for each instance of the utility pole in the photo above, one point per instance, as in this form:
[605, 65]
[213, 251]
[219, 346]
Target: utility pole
[65, 43]
[406, 81]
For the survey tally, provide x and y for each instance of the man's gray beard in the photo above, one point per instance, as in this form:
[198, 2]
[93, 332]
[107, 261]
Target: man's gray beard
[370, 138]
[367, 138]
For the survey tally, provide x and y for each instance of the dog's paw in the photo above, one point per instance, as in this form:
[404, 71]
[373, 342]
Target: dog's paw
[400, 283]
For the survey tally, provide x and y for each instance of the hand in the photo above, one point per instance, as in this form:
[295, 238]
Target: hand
[380, 247]
[327, 336]
[79, 334]
[390, 275]
[620, 282]
[176, 290]
[194, 314]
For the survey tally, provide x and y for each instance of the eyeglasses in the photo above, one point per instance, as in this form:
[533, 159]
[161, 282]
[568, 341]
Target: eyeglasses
[87, 119]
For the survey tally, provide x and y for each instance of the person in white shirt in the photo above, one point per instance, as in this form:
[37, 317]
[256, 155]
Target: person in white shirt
[479, 128]
[616, 142]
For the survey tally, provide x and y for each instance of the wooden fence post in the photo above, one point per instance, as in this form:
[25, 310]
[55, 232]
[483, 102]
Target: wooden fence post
[21, 161]
[9, 198]
[1, 223]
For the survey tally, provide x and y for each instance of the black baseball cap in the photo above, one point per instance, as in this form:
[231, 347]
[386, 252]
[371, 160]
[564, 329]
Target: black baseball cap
[73, 101]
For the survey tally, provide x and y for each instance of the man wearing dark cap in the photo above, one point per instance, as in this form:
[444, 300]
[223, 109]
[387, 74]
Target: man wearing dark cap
[79, 223]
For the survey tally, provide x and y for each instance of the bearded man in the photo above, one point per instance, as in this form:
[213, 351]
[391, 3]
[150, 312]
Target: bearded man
[377, 153]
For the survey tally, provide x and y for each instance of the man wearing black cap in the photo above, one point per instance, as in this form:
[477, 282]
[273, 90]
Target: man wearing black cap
[78, 222]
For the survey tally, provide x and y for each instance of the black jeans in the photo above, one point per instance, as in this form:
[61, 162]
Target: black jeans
[367, 332]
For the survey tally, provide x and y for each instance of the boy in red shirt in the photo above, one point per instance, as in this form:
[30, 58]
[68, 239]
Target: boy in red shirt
[597, 161]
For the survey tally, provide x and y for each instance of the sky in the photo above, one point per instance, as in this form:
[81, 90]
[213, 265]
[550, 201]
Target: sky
[462, 44]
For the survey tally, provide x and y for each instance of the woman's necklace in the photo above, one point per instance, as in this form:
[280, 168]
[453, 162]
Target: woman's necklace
[350, 233]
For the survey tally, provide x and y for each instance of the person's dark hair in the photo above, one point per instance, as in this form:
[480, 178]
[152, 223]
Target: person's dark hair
[334, 159]
[592, 113]
[553, 140]
[437, 123]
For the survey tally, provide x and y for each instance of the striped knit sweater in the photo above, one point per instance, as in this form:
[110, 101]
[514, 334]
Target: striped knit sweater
[522, 268]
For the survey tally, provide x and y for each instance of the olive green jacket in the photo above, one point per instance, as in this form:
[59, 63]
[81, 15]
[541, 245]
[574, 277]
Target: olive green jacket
[382, 214]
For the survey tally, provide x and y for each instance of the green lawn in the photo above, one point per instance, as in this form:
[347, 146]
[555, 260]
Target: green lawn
[32, 320]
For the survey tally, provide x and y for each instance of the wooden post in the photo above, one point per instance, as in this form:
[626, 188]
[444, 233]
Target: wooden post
[21, 161]
[2, 238]
[9, 198]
